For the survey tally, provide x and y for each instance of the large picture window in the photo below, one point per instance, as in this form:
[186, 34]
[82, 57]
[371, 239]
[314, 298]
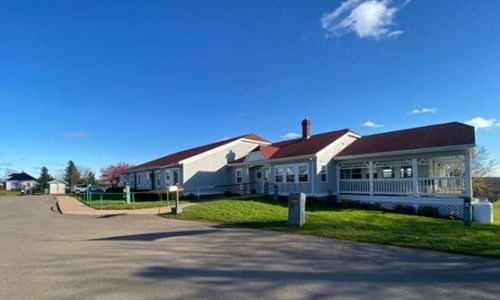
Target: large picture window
[291, 173]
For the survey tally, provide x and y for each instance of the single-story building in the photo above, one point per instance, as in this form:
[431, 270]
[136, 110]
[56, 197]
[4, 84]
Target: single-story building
[57, 187]
[19, 181]
[427, 165]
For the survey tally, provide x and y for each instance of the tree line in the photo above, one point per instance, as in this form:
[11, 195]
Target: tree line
[73, 175]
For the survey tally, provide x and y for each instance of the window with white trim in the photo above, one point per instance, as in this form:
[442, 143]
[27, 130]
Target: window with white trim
[239, 175]
[139, 179]
[131, 179]
[388, 172]
[158, 177]
[292, 173]
[406, 172]
[148, 179]
[303, 174]
[323, 175]
[278, 174]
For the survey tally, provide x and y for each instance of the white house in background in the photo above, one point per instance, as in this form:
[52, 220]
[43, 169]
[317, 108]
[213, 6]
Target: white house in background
[426, 165]
[19, 181]
[57, 187]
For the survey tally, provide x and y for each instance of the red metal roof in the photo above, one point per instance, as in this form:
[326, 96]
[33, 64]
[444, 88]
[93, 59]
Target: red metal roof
[300, 146]
[179, 156]
[441, 135]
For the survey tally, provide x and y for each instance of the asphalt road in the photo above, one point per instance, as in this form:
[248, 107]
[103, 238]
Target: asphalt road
[46, 255]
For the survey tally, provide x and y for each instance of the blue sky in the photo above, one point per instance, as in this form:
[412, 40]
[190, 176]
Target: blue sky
[100, 82]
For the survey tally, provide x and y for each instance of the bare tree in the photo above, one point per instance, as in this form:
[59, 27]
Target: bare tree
[482, 166]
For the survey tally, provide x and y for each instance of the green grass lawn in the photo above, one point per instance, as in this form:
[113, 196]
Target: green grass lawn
[122, 204]
[355, 225]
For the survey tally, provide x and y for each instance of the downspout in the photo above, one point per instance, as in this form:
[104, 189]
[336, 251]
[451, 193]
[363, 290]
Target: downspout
[313, 175]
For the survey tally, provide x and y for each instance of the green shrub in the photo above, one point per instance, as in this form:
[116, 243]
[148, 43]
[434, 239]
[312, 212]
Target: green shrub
[428, 211]
[406, 209]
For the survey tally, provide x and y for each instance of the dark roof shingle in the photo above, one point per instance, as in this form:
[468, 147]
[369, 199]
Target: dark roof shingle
[20, 177]
[441, 135]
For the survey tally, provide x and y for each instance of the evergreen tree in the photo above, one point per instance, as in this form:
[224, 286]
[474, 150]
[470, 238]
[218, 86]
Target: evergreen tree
[43, 179]
[72, 174]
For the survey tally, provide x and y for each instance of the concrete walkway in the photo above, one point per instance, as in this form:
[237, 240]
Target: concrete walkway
[71, 206]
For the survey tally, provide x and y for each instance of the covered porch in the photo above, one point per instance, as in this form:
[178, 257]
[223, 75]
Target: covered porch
[436, 175]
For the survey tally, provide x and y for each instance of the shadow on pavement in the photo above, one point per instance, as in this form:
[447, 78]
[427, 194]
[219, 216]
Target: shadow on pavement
[154, 236]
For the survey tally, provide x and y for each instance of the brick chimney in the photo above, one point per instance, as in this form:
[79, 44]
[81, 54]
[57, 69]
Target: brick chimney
[306, 129]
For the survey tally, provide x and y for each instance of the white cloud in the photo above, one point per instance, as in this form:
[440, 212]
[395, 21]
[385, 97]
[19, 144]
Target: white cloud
[291, 135]
[423, 111]
[372, 125]
[367, 18]
[482, 123]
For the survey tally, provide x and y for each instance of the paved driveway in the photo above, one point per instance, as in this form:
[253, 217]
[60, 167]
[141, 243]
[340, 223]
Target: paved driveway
[46, 255]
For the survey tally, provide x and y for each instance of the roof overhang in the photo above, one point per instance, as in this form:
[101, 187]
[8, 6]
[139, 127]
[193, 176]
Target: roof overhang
[406, 152]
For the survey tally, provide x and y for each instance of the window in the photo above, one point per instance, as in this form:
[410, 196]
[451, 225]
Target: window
[131, 179]
[345, 174]
[176, 176]
[406, 172]
[322, 174]
[239, 176]
[356, 174]
[303, 174]
[388, 172]
[167, 177]
[138, 179]
[278, 174]
[290, 174]
[158, 177]
[148, 179]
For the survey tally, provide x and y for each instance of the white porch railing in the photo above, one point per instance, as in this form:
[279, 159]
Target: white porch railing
[441, 186]
[358, 186]
[449, 186]
[393, 186]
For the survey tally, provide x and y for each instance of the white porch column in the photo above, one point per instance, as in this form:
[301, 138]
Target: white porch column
[414, 176]
[370, 177]
[468, 178]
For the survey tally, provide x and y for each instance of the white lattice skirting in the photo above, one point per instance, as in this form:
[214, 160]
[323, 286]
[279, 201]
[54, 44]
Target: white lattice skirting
[446, 207]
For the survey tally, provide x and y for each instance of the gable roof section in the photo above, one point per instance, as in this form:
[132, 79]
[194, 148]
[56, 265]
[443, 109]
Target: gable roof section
[182, 155]
[300, 146]
[20, 177]
[434, 136]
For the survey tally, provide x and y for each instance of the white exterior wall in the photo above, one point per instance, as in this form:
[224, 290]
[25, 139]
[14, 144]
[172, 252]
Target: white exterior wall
[322, 189]
[210, 169]
[17, 185]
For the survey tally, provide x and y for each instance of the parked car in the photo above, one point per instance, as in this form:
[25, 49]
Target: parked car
[79, 188]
